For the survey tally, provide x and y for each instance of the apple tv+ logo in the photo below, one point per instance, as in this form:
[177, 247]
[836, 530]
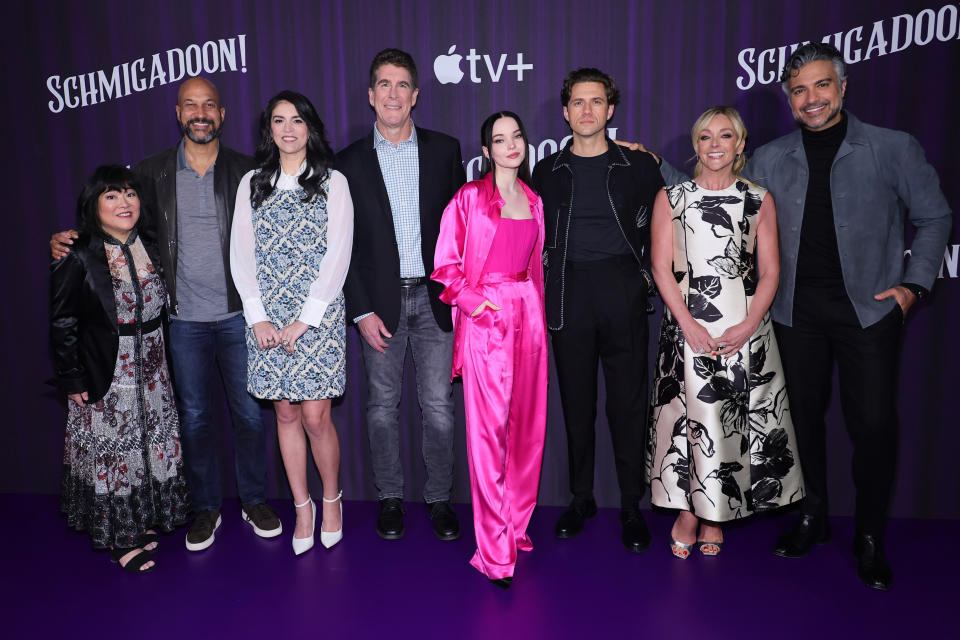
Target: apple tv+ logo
[447, 67]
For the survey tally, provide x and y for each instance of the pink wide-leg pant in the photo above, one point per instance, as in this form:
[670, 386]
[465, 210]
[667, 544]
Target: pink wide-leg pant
[505, 400]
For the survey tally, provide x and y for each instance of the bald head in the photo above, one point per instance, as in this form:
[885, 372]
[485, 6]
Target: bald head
[195, 85]
[199, 112]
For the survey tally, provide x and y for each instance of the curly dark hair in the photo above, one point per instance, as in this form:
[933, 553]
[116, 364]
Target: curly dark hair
[589, 74]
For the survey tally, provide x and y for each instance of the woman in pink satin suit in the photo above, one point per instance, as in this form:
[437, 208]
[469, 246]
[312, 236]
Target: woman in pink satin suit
[488, 259]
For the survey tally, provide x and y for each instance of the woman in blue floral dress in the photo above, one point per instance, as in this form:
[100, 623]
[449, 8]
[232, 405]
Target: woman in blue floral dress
[289, 252]
[722, 444]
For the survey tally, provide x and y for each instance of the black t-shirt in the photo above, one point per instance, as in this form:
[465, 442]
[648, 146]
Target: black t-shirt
[818, 262]
[595, 233]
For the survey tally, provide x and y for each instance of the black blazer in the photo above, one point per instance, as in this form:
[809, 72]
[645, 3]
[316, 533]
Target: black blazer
[83, 318]
[373, 281]
[159, 176]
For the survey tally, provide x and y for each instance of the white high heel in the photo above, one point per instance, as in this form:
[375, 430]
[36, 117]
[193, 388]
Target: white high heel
[330, 538]
[302, 545]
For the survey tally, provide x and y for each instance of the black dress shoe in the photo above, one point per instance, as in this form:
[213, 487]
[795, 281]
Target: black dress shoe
[636, 536]
[390, 519]
[799, 541]
[872, 566]
[503, 583]
[445, 524]
[571, 521]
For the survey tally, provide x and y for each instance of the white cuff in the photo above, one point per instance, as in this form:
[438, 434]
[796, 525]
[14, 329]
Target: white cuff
[254, 312]
[312, 312]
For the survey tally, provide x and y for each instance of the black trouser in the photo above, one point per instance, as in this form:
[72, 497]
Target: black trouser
[826, 330]
[605, 320]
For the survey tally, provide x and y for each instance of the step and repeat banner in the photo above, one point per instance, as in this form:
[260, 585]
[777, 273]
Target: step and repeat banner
[96, 82]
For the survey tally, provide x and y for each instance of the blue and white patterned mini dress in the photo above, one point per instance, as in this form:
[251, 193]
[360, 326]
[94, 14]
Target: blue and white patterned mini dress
[291, 240]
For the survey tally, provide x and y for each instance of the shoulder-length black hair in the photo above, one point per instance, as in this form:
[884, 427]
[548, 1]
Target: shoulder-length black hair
[486, 140]
[107, 177]
[319, 153]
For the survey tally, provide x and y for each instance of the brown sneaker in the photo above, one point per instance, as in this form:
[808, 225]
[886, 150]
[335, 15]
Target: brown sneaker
[201, 531]
[264, 521]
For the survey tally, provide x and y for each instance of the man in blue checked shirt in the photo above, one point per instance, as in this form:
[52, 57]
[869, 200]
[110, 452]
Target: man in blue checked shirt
[401, 178]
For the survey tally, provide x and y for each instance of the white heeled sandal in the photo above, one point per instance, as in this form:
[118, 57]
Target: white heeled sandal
[302, 545]
[330, 538]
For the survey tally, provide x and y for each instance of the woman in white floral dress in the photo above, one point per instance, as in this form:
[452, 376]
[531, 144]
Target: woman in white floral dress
[722, 444]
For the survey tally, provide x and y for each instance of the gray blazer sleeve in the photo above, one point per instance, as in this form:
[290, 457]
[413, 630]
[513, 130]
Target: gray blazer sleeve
[918, 186]
[671, 175]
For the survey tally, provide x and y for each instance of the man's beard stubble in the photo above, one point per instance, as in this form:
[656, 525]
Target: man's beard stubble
[210, 137]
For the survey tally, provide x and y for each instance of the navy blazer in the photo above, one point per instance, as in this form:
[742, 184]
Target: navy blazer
[373, 281]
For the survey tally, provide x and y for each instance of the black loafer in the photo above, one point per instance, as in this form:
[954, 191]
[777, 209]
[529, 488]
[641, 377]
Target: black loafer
[571, 521]
[799, 541]
[872, 566]
[635, 536]
[445, 523]
[390, 519]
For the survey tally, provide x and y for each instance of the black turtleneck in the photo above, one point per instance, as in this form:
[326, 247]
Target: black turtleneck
[818, 262]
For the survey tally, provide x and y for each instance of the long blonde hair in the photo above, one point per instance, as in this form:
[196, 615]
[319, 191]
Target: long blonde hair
[738, 127]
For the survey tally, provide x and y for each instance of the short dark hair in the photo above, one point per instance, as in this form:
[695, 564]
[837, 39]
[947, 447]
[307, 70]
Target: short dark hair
[589, 74]
[811, 52]
[397, 58]
[108, 177]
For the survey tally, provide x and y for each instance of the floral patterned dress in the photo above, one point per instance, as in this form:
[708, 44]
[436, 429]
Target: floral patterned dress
[722, 443]
[291, 241]
[122, 459]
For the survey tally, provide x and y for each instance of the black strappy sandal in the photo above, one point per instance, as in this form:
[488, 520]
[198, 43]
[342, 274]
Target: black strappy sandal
[147, 539]
[135, 563]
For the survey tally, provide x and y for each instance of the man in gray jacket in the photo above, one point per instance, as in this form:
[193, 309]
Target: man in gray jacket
[842, 189]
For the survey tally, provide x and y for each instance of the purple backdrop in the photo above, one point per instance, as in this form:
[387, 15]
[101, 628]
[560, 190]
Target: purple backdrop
[96, 82]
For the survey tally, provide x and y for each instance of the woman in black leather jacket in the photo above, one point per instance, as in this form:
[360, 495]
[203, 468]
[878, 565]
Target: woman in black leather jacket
[122, 466]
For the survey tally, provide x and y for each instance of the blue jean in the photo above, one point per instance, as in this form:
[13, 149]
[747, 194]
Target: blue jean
[195, 348]
[432, 351]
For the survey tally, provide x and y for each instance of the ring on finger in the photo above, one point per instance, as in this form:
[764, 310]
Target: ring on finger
[699, 352]
[285, 343]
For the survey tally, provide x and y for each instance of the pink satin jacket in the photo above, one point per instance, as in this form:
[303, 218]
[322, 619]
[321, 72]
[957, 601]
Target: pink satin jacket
[467, 230]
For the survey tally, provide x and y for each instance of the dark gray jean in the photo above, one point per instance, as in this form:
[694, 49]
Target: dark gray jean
[432, 351]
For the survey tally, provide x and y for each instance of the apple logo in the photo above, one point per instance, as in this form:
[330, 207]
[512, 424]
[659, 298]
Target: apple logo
[447, 68]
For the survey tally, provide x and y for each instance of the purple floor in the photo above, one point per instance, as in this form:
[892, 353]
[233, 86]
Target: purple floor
[53, 586]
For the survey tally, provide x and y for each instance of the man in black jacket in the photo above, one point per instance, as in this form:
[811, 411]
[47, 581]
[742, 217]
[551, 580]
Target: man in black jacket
[192, 188]
[401, 179]
[597, 201]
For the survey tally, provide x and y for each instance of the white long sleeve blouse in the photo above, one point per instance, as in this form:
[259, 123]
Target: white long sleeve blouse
[333, 267]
